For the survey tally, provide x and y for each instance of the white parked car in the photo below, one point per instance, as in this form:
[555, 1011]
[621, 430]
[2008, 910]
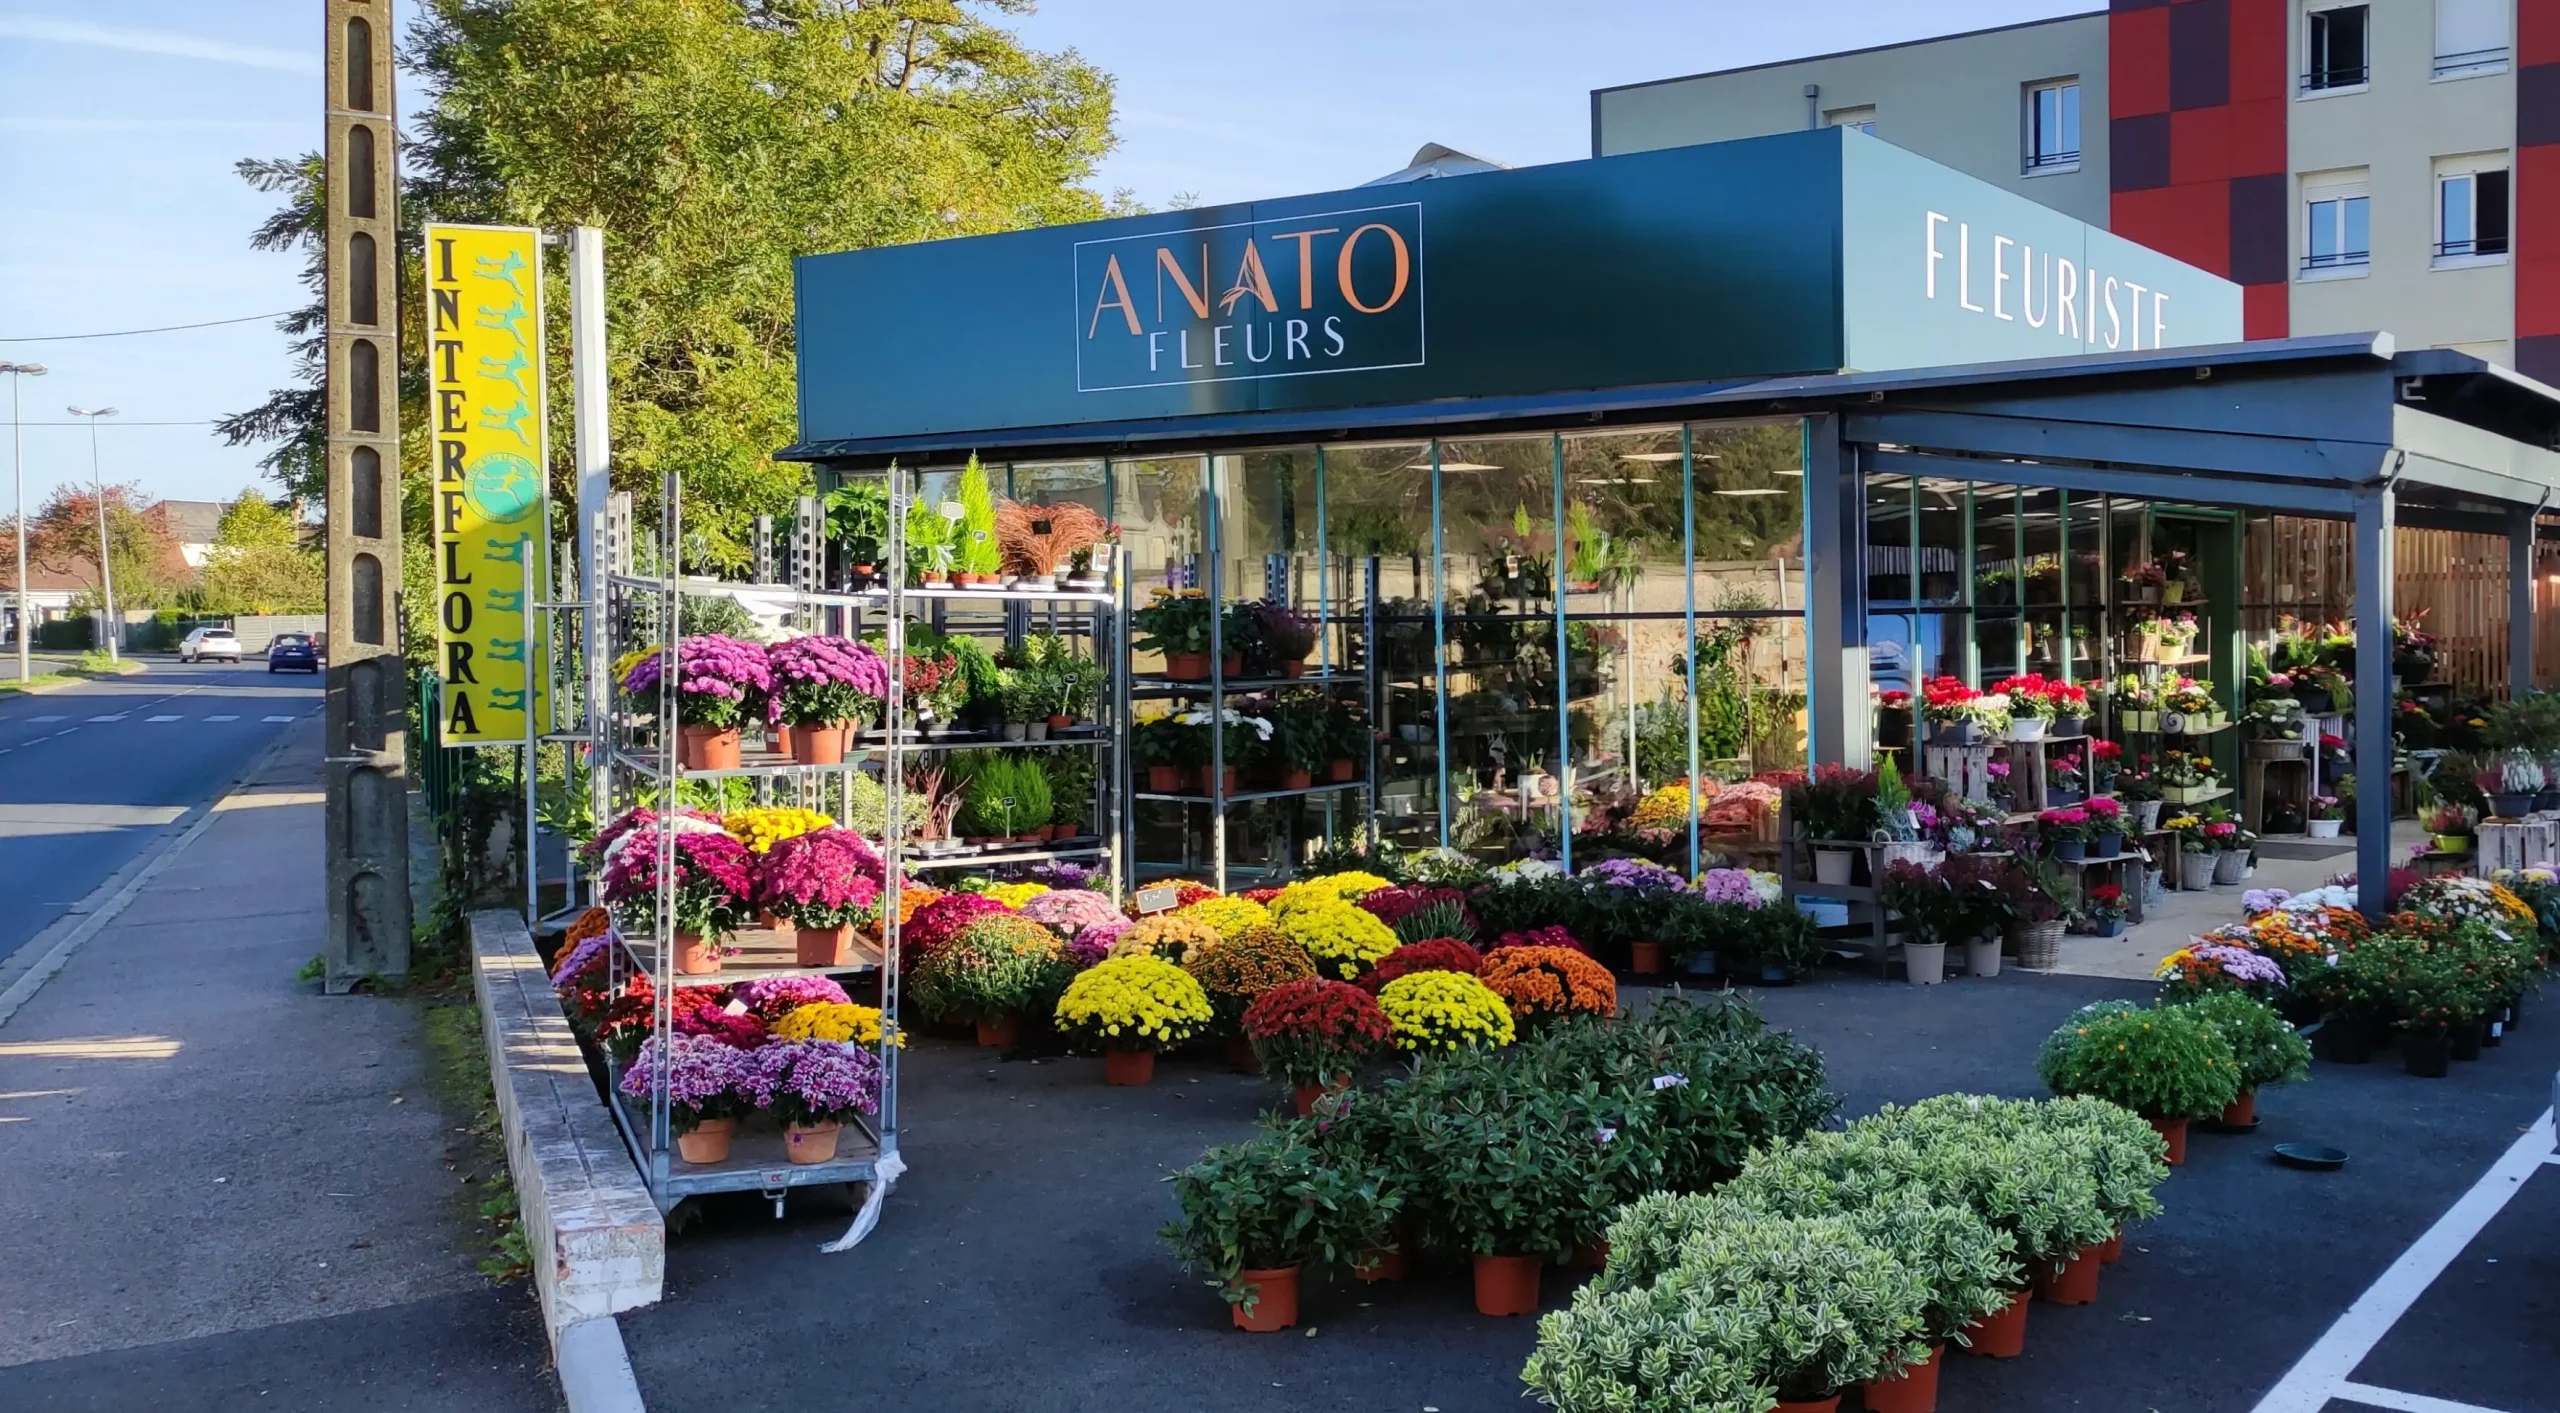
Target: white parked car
[203, 643]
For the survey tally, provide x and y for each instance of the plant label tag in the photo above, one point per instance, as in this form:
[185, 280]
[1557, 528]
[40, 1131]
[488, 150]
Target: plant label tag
[776, 1177]
[1158, 899]
[734, 1008]
[1667, 1081]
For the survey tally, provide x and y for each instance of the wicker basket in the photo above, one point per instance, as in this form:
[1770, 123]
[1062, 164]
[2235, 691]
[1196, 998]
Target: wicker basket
[2038, 944]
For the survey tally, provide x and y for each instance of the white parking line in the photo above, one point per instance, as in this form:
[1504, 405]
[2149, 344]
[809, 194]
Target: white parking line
[2321, 1373]
[2406, 1402]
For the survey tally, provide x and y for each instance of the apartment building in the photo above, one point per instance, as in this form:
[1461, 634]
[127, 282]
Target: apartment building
[2390, 164]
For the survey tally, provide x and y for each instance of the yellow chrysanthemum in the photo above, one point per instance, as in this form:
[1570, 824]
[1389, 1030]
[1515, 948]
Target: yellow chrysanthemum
[832, 1020]
[1344, 939]
[1134, 1002]
[1014, 895]
[1171, 937]
[1229, 915]
[1445, 1010]
[760, 827]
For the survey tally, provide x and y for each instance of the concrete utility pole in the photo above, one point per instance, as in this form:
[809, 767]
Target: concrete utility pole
[106, 566]
[19, 373]
[368, 684]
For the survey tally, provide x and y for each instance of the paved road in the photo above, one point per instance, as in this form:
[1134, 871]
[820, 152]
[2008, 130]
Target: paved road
[38, 663]
[92, 775]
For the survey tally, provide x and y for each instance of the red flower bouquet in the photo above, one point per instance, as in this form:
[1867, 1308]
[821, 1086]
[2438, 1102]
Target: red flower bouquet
[1315, 1031]
[1430, 954]
[939, 921]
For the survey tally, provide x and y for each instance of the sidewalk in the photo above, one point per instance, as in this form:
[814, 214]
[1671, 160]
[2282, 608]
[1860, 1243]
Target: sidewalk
[2177, 919]
[222, 1190]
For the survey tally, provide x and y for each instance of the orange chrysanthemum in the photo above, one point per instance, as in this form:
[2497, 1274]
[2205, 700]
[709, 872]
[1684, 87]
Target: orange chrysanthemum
[1541, 982]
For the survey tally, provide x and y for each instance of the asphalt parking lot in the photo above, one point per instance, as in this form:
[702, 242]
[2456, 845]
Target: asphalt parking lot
[1017, 1267]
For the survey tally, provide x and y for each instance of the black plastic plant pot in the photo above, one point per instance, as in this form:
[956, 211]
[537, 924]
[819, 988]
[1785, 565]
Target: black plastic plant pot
[2466, 1040]
[2343, 1040]
[1776, 976]
[2315, 1157]
[2511, 805]
[2426, 1056]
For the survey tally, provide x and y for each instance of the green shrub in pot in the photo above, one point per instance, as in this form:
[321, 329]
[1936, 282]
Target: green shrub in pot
[1273, 1201]
[2270, 1051]
[2162, 1064]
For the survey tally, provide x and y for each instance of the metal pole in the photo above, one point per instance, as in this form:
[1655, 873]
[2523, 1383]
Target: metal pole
[532, 745]
[2520, 534]
[106, 567]
[18, 372]
[1689, 613]
[2373, 747]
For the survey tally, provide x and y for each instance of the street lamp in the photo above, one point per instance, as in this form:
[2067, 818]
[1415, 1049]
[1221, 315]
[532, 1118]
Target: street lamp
[18, 458]
[106, 574]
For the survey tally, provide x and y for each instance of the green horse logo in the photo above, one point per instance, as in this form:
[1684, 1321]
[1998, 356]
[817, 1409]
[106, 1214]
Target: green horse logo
[503, 487]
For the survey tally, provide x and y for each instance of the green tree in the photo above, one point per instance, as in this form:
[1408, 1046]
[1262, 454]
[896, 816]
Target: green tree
[712, 143]
[258, 563]
[62, 538]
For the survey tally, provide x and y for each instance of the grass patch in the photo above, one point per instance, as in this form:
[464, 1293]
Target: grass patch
[91, 665]
[458, 1077]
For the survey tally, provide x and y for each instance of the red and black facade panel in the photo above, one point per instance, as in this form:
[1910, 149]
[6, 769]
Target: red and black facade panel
[2196, 141]
[2536, 242]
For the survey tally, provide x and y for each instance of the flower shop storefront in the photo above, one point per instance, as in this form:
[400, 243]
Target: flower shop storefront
[1490, 511]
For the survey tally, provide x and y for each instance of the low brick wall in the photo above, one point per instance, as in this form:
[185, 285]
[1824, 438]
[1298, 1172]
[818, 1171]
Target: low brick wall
[599, 1243]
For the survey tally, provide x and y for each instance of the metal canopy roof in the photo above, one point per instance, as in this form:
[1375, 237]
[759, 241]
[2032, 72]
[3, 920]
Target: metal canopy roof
[2282, 424]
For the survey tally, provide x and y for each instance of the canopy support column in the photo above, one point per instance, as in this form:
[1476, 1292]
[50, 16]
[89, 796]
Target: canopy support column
[2520, 591]
[2373, 744]
[1835, 547]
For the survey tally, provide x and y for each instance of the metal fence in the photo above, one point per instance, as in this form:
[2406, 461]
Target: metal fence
[438, 770]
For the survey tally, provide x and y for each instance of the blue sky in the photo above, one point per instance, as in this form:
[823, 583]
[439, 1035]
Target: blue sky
[119, 125]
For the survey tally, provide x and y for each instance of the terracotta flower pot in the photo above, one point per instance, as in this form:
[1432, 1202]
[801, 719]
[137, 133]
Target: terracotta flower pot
[2111, 1250]
[1061, 723]
[1339, 771]
[1809, 1405]
[818, 745]
[1295, 668]
[2243, 1111]
[1240, 1056]
[1275, 1298]
[2075, 1284]
[2001, 1334]
[824, 946]
[1164, 779]
[1306, 1095]
[1128, 1067]
[1232, 665]
[1186, 667]
[1385, 1263]
[1644, 958]
[1210, 781]
[708, 1142]
[811, 1143]
[779, 735]
[1593, 1257]
[709, 747]
[1914, 1390]
[1507, 1285]
[695, 956]
[1296, 779]
[770, 921]
[2175, 1131]
[1002, 1033]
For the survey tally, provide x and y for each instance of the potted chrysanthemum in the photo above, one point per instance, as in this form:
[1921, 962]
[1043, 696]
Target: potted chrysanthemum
[1237, 972]
[720, 683]
[1445, 1010]
[1129, 1007]
[824, 688]
[1548, 983]
[1315, 1034]
[994, 965]
[710, 1085]
[822, 883]
[818, 1087]
[714, 876]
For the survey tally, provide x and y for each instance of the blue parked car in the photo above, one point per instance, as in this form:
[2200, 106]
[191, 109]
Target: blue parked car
[293, 650]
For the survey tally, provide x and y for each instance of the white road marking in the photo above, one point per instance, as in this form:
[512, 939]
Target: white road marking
[43, 719]
[2320, 1375]
[165, 718]
[225, 717]
[288, 718]
[2405, 1402]
[110, 716]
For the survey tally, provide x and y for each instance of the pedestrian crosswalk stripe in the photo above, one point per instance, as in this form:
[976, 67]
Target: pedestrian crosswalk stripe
[279, 718]
[111, 716]
[222, 718]
[48, 718]
[165, 718]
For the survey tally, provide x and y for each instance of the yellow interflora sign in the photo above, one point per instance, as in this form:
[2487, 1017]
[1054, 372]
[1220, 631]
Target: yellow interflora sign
[486, 399]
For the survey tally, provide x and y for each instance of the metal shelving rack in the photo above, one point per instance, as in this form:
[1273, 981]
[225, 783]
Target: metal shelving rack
[634, 752]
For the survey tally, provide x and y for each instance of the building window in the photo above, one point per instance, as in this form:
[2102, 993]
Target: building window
[2471, 215]
[1863, 118]
[2337, 235]
[2471, 37]
[2335, 49]
[2053, 126]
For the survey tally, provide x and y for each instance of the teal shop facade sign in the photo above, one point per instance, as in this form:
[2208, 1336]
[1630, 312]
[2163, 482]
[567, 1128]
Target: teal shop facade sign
[1800, 253]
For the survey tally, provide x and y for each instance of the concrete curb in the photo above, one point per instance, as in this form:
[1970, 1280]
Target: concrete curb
[52, 948]
[76, 677]
[599, 1243]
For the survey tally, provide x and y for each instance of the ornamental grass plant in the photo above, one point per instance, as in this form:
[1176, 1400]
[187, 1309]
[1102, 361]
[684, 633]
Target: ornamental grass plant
[1134, 1002]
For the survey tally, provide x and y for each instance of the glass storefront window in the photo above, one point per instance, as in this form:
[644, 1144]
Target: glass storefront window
[1501, 552]
[1377, 512]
